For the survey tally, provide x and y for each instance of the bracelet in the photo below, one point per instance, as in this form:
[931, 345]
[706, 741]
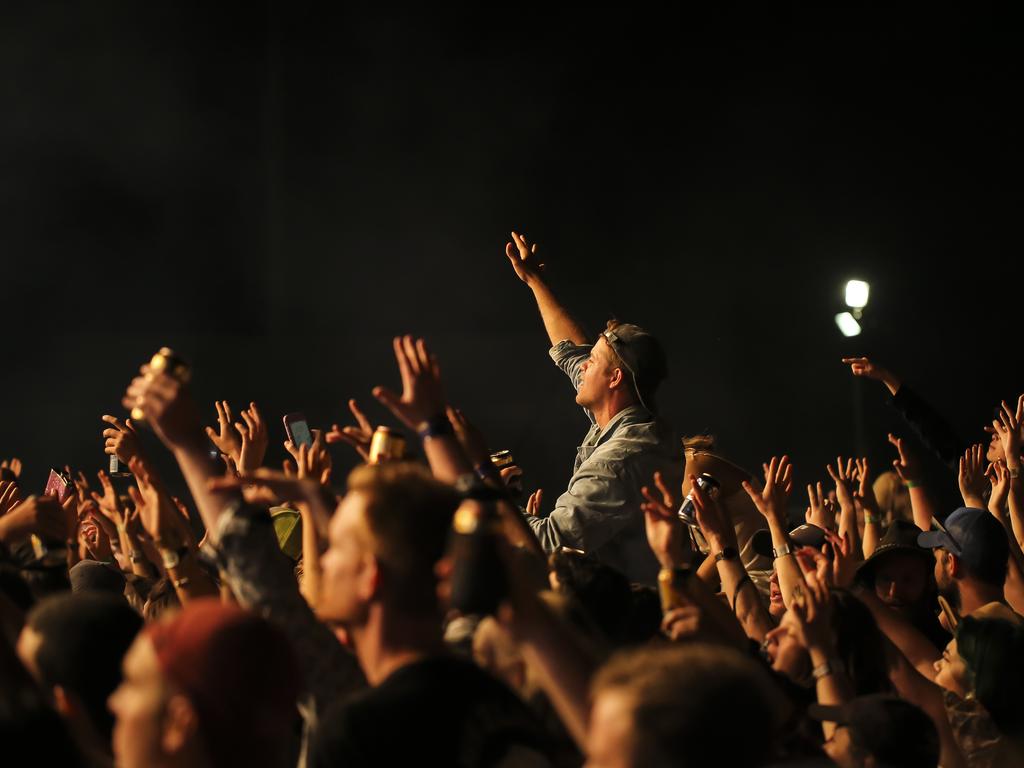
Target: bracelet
[822, 670]
[437, 426]
[180, 583]
[782, 551]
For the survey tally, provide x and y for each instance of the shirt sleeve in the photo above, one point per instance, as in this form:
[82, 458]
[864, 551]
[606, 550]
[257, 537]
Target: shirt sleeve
[589, 514]
[930, 426]
[263, 580]
[569, 358]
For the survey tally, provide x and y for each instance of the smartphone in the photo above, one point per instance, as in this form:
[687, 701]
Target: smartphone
[297, 429]
[59, 485]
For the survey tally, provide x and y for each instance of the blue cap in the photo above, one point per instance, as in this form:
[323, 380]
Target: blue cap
[971, 534]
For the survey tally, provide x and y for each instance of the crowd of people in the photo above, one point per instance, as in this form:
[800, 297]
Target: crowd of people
[668, 609]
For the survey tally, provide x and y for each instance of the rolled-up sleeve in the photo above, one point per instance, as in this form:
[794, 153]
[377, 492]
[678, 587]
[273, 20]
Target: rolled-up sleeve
[589, 514]
[569, 358]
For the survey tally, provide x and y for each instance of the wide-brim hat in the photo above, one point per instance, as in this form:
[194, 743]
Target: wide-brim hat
[901, 536]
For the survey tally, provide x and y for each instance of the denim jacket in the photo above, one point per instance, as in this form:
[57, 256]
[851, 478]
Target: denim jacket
[600, 510]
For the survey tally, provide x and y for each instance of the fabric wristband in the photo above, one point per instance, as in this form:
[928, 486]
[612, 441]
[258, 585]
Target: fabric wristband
[435, 427]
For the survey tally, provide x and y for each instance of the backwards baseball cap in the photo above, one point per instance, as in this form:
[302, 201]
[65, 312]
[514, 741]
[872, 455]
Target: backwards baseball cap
[240, 674]
[976, 537]
[891, 729]
[643, 356]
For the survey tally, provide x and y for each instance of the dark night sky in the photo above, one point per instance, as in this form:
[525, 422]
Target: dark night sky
[275, 190]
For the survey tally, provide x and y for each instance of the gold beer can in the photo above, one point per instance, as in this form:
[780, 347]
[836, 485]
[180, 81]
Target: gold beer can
[165, 361]
[386, 445]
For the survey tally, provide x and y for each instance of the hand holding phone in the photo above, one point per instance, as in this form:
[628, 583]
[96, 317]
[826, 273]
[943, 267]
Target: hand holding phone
[297, 429]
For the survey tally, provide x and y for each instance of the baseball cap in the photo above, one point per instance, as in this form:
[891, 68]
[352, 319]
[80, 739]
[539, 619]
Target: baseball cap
[891, 729]
[643, 356]
[805, 535]
[973, 535]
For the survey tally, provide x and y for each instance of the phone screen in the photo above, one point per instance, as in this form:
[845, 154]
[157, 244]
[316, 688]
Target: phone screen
[300, 433]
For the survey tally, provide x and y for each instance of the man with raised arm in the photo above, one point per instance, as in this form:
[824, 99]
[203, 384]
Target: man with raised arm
[615, 380]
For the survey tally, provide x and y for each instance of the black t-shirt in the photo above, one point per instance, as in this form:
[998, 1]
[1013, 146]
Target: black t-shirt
[438, 711]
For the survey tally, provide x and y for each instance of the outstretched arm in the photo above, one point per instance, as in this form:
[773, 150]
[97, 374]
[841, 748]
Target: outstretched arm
[559, 324]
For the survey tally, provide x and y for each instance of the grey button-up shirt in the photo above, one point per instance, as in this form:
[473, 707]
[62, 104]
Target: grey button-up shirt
[600, 511]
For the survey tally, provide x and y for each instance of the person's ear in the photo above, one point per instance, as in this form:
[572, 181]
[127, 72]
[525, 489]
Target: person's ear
[64, 702]
[617, 378]
[954, 565]
[368, 581]
[180, 724]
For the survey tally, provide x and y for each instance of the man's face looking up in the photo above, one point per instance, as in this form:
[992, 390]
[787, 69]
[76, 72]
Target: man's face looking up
[598, 372]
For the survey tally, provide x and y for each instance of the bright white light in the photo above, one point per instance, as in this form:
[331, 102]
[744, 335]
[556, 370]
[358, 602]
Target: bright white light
[848, 324]
[857, 294]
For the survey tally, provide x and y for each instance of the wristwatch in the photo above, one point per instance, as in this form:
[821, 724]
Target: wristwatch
[728, 553]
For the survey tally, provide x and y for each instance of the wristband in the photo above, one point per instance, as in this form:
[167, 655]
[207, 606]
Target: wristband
[1014, 472]
[435, 427]
[135, 557]
[910, 484]
[822, 670]
[180, 583]
[870, 519]
[782, 551]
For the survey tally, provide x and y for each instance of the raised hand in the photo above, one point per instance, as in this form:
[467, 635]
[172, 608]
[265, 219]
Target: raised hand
[844, 476]
[225, 437]
[523, 256]
[771, 500]
[109, 503]
[254, 439]
[166, 405]
[665, 531]
[713, 521]
[1007, 426]
[120, 439]
[41, 515]
[907, 466]
[533, 503]
[999, 478]
[158, 513]
[845, 559]
[9, 496]
[422, 400]
[820, 511]
[14, 465]
[971, 476]
[865, 492]
[863, 367]
[812, 610]
[359, 436]
[470, 438]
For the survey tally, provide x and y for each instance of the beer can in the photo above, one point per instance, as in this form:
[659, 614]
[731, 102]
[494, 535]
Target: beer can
[165, 361]
[386, 445]
[708, 485]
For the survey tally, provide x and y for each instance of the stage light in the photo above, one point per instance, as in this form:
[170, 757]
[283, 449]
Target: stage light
[857, 294]
[848, 324]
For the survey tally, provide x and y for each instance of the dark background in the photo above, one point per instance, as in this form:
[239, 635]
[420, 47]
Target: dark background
[276, 189]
